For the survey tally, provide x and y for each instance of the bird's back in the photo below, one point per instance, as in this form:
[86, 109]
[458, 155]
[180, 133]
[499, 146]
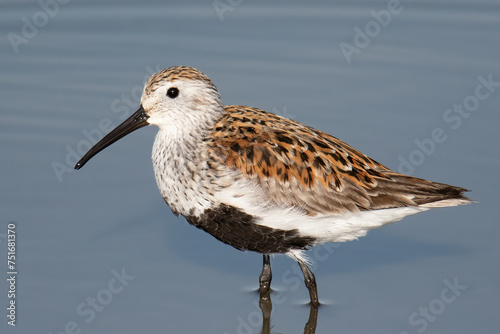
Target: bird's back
[298, 166]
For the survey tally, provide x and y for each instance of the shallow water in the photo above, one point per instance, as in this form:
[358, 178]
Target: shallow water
[80, 74]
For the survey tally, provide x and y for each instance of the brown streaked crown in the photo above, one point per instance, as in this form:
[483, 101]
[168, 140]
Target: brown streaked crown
[176, 73]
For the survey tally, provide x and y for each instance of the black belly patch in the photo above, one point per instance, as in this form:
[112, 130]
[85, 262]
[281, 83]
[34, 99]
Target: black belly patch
[238, 229]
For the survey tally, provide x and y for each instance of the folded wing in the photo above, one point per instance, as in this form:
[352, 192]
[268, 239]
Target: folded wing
[305, 168]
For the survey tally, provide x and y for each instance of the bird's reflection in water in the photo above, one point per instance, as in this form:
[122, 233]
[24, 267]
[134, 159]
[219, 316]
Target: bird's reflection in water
[266, 307]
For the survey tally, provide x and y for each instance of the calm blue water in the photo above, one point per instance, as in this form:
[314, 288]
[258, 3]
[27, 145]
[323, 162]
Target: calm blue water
[99, 252]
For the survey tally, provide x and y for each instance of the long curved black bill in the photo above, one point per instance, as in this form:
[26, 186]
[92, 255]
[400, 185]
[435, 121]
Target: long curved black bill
[134, 122]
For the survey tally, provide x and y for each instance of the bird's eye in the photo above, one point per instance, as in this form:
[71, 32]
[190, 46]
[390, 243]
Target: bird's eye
[172, 92]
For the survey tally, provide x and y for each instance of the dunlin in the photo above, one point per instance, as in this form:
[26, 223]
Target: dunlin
[264, 183]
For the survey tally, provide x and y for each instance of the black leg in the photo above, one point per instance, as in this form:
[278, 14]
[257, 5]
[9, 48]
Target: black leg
[265, 276]
[310, 281]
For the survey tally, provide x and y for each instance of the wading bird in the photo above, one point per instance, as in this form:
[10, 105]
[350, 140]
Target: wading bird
[264, 183]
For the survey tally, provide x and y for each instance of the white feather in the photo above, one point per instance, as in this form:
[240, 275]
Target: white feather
[325, 228]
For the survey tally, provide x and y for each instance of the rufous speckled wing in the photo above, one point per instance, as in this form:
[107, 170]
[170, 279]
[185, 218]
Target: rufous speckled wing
[302, 167]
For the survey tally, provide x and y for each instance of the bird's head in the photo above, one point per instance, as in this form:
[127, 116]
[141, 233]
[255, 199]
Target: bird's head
[177, 99]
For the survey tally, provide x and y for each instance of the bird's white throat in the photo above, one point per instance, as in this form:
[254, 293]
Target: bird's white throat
[180, 169]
